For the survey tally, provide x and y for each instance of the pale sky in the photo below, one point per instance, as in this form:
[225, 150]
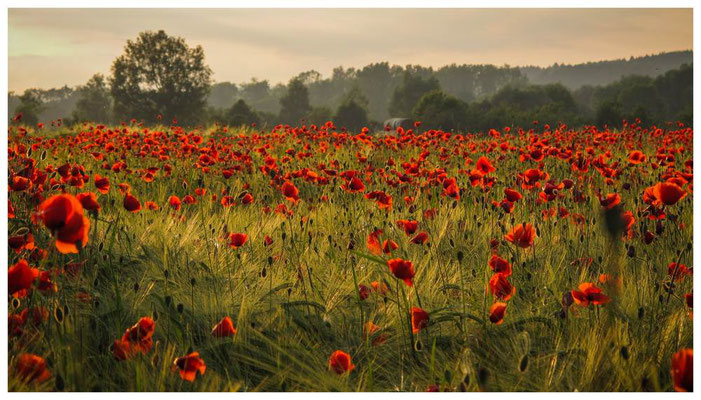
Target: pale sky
[52, 47]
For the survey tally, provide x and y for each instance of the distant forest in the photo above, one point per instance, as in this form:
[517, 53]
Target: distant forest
[654, 88]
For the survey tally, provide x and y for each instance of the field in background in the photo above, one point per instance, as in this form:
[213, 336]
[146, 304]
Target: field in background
[305, 238]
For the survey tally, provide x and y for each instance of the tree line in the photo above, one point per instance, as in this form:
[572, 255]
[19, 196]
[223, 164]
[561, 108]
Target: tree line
[159, 78]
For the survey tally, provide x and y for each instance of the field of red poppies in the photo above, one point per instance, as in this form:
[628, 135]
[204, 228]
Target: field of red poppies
[313, 259]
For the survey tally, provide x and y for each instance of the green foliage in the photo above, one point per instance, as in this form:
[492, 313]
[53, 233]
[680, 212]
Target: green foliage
[160, 75]
[352, 113]
[319, 115]
[95, 103]
[241, 114]
[407, 94]
[30, 106]
[441, 111]
[295, 103]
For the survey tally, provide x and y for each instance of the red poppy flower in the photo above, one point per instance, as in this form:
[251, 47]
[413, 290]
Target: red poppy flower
[267, 241]
[409, 226]
[678, 271]
[636, 157]
[484, 166]
[420, 238]
[419, 319]
[499, 265]
[497, 312]
[402, 269]
[136, 339]
[373, 242]
[174, 202]
[354, 185]
[683, 370]
[340, 362]
[189, 365]
[224, 328]
[611, 200]
[247, 199]
[363, 291]
[290, 191]
[500, 287]
[666, 193]
[151, 205]
[521, 235]
[389, 245]
[31, 367]
[237, 240]
[102, 184]
[89, 201]
[20, 276]
[21, 242]
[63, 216]
[512, 195]
[588, 293]
[131, 203]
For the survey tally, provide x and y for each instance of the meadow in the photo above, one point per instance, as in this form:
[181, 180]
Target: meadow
[160, 258]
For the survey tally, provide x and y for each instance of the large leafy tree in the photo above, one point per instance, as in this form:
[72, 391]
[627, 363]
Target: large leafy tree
[30, 106]
[241, 114]
[407, 94]
[439, 110]
[295, 103]
[160, 75]
[352, 113]
[94, 103]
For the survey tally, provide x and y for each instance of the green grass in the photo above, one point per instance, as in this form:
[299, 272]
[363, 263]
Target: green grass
[295, 302]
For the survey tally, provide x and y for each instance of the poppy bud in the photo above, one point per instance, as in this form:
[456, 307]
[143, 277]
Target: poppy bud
[180, 308]
[193, 282]
[460, 256]
[624, 352]
[524, 363]
[168, 300]
[136, 287]
[631, 251]
[482, 376]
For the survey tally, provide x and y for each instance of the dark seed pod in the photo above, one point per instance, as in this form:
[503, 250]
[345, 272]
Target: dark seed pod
[136, 287]
[58, 315]
[524, 363]
[60, 383]
[641, 313]
[631, 251]
[168, 300]
[482, 376]
[460, 256]
[567, 299]
[193, 282]
[624, 352]
[180, 307]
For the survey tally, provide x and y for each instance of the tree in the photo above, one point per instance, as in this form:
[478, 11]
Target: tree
[241, 114]
[160, 75]
[295, 103]
[319, 115]
[609, 113]
[30, 106]
[441, 111]
[353, 111]
[222, 95]
[407, 94]
[94, 101]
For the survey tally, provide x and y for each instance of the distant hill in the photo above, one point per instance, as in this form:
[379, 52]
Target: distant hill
[605, 72]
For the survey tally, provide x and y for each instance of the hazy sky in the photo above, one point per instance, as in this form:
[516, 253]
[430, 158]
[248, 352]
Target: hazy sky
[53, 47]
